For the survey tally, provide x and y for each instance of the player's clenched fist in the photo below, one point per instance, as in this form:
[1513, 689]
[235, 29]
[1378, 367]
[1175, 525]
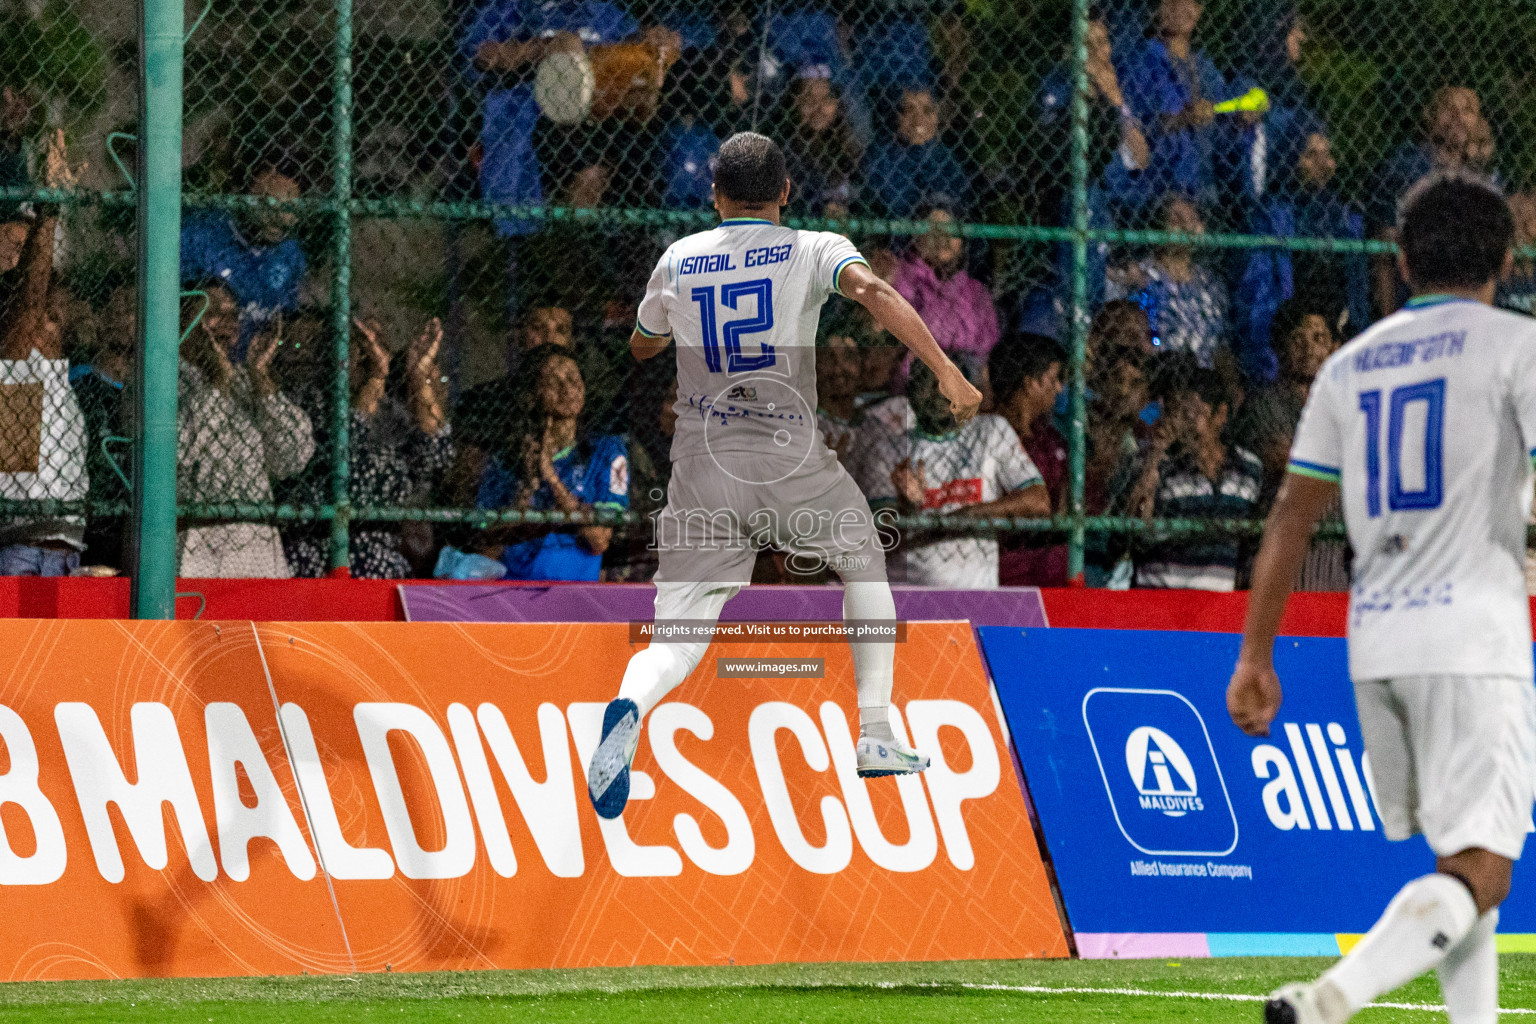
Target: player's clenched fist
[1253, 698]
[964, 399]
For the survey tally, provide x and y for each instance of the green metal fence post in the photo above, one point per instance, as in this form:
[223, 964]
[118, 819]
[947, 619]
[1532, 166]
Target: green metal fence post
[341, 286]
[159, 228]
[1077, 439]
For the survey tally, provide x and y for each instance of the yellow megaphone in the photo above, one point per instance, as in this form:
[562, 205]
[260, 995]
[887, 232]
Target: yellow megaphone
[1255, 100]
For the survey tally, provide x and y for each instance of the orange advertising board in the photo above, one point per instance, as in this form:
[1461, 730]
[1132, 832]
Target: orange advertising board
[199, 799]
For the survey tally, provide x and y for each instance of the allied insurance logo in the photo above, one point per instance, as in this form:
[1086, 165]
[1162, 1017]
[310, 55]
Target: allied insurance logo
[1153, 757]
[1160, 772]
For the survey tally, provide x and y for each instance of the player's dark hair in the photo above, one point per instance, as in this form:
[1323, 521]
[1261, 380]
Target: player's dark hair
[750, 169]
[1456, 230]
[1019, 358]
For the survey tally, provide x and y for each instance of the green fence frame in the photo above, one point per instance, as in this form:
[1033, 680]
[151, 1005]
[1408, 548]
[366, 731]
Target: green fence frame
[153, 531]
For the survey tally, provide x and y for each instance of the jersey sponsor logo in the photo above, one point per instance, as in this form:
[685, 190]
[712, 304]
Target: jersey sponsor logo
[741, 393]
[1153, 758]
[768, 256]
[1379, 600]
[1159, 768]
[618, 476]
[710, 263]
[955, 492]
[1389, 354]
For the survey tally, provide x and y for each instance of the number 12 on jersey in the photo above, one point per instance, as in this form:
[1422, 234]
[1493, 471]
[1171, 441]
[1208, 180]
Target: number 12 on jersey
[1399, 499]
[734, 330]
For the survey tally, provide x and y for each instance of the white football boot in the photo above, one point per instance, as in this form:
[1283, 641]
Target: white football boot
[1300, 1003]
[879, 757]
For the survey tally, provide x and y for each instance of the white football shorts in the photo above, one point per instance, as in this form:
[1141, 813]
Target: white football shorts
[1453, 757]
[721, 509]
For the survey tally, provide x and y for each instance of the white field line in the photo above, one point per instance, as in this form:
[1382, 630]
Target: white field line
[1228, 997]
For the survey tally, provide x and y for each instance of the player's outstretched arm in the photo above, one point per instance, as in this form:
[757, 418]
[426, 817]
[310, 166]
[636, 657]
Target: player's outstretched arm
[893, 312]
[1253, 695]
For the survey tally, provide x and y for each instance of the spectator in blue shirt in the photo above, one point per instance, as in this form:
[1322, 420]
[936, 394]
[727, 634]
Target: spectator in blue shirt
[1187, 305]
[1171, 86]
[551, 464]
[894, 52]
[1117, 145]
[811, 37]
[1246, 161]
[728, 78]
[688, 147]
[502, 46]
[821, 150]
[1127, 21]
[1273, 61]
[915, 166]
[1455, 137]
[1117, 154]
[258, 258]
[1303, 204]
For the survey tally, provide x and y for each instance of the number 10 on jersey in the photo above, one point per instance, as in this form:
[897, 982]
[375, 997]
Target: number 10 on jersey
[734, 330]
[1431, 393]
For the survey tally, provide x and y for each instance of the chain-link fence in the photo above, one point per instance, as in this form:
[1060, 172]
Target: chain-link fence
[415, 236]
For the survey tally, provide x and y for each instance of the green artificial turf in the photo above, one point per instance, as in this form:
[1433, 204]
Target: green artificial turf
[939, 993]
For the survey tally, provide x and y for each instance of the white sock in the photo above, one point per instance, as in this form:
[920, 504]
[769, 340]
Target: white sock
[1469, 974]
[658, 670]
[1425, 920]
[874, 665]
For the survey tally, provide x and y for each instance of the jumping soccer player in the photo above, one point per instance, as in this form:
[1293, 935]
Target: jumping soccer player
[749, 466]
[1428, 422]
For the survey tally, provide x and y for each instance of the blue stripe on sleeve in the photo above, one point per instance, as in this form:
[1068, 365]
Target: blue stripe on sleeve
[1313, 470]
[838, 273]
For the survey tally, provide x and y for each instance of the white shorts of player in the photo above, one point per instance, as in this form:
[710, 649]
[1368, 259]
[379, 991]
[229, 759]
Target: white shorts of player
[719, 507]
[1453, 757]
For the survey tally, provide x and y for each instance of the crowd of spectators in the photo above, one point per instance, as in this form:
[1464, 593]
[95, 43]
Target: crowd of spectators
[1199, 359]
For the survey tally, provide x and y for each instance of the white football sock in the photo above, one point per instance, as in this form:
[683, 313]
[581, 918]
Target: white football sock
[874, 665]
[1469, 974]
[1424, 921]
[658, 670]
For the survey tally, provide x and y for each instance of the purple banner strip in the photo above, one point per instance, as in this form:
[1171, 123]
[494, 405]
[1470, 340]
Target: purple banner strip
[626, 602]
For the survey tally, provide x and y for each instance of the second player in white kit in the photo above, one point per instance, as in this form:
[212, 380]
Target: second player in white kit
[1427, 422]
[741, 303]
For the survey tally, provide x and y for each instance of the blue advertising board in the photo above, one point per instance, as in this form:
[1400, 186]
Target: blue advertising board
[1171, 832]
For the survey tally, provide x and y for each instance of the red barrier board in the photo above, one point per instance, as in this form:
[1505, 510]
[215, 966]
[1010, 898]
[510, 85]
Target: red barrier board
[1306, 614]
[224, 798]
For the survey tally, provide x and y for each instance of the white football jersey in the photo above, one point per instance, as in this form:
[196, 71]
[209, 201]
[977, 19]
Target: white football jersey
[742, 302]
[981, 462]
[1428, 421]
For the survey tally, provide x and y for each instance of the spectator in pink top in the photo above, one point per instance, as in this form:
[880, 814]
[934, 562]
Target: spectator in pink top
[955, 306]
